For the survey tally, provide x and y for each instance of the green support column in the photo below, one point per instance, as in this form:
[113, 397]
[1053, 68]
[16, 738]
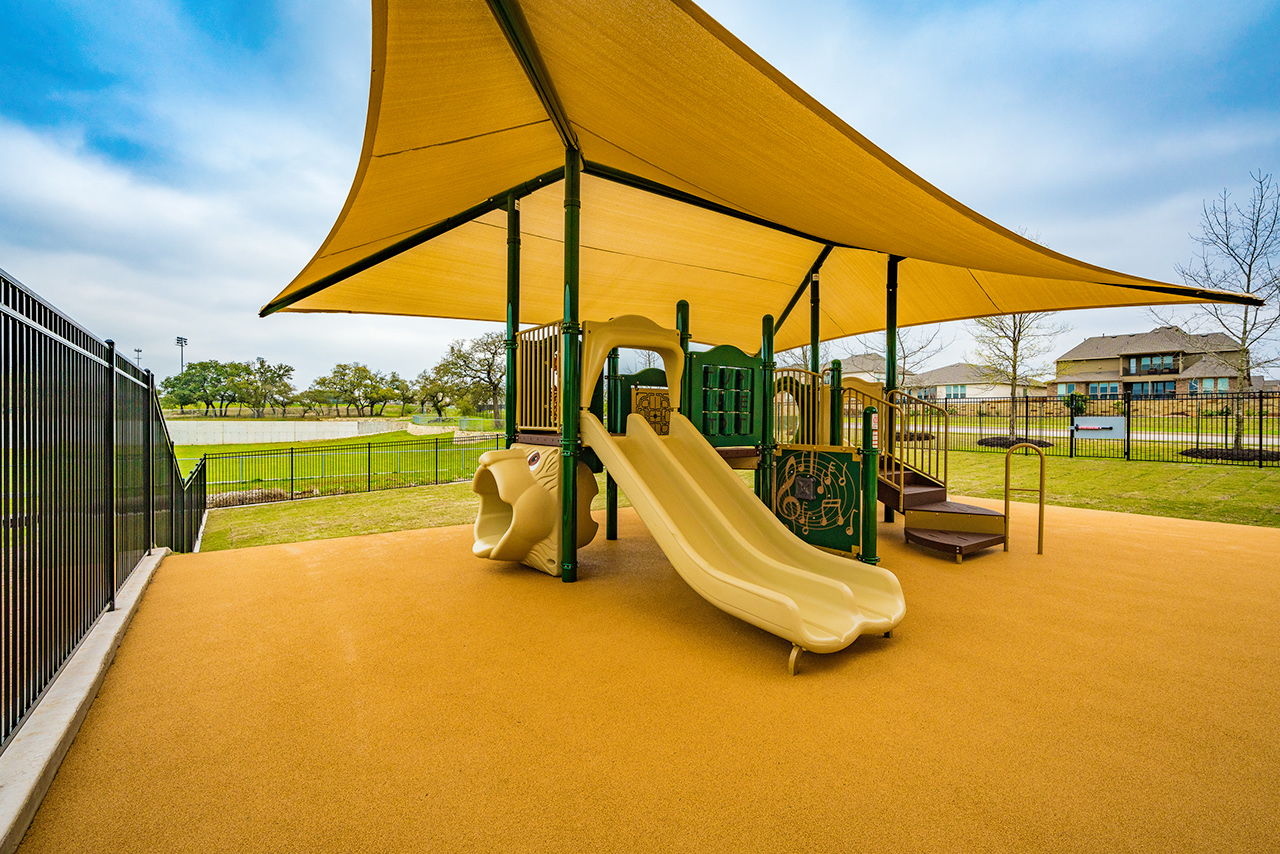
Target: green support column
[891, 326]
[682, 324]
[764, 474]
[890, 357]
[837, 403]
[613, 397]
[867, 550]
[513, 312]
[815, 322]
[570, 371]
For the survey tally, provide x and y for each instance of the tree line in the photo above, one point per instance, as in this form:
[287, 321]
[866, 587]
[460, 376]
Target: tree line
[469, 379]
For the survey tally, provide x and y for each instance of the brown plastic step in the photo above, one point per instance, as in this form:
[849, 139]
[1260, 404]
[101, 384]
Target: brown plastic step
[916, 495]
[958, 543]
[954, 516]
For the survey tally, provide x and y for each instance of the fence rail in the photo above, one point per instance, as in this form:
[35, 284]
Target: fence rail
[1224, 429]
[284, 474]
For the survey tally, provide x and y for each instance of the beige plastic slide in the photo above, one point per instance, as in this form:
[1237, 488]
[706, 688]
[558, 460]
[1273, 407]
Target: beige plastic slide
[731, 549]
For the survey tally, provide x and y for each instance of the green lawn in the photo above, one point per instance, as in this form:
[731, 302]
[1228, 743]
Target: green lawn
[189, 455]
[1241, 495]
[1215, 493]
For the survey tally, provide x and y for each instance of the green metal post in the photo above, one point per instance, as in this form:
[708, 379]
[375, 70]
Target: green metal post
[613, 391]
[513, 312]
[815, 312]
[682, 324]
[570, 371]
[764, 475]
[867, 554]
[890, 358]
[891, 326]
[837, 404]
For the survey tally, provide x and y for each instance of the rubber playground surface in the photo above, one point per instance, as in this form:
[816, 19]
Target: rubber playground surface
[393, 693]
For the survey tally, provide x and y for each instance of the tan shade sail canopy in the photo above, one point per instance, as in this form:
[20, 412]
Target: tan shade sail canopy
[708, 177]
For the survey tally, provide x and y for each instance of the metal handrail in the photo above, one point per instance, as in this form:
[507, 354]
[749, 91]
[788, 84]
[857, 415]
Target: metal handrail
[920, 453]
[1008, 461]
[891, 467]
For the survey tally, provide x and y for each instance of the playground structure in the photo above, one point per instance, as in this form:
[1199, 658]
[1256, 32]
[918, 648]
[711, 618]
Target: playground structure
[632, 113]
[725, 542]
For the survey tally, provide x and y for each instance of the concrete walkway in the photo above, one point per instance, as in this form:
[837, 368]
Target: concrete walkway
[392, 693]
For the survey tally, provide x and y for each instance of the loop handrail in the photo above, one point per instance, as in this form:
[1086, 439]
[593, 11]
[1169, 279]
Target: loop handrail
[1008, 462]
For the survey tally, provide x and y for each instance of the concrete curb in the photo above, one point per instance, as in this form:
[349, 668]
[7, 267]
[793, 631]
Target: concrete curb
[29, 763]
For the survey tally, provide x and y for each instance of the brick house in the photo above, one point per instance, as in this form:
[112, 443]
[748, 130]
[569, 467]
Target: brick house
[1161, 362]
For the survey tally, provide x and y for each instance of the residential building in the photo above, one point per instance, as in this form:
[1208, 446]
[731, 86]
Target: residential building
[959, 381]
[1161, 362]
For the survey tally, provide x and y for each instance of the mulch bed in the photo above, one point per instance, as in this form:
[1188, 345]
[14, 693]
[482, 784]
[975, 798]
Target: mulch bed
[1249, 455]
[1006, 442]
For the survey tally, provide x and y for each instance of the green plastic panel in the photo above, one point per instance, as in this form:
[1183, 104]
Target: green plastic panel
[727, 396]
[817, 496]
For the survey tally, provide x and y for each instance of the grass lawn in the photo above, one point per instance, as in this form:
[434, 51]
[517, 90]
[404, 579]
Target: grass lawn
[1210, 493]
[189, 455]
[1237, 494]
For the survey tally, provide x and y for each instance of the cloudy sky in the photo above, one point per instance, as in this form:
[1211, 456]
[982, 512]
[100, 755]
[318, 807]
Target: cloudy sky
[167, 166]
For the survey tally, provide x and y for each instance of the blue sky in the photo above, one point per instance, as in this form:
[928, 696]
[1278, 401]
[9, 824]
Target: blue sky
[166, 167]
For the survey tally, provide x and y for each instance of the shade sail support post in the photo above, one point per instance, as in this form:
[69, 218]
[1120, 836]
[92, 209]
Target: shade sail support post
[570, 370]
[513, 313]
[614, 422]
[682, 325]
[890, 361]
[891, 325]
[764, 474]
[520, 37]
[815, 320]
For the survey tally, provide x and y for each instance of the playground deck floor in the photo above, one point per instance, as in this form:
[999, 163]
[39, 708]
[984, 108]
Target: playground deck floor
[392, 693]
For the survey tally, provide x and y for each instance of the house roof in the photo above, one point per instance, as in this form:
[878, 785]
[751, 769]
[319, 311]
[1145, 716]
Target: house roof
[961, 373]
[866, 363]
[1209, 366]
[707, 176]
[1164, 339]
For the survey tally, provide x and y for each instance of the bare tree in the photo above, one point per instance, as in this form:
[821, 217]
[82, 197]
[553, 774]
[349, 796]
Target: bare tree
[1240, 253]
[917, 345]
[798, 357]
[1009, 347]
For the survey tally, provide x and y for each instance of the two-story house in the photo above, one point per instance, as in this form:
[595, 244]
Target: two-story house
[1161, 362]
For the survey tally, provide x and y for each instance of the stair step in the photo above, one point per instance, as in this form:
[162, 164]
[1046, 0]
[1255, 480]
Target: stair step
[954, 516]
[958, 543]
[914, 496]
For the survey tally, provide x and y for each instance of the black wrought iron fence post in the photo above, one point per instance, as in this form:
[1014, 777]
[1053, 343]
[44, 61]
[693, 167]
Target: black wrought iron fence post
[1128, 423]
[150, 538]
[109, 456]
[368, 468]
[292, 490]
[1261, 414]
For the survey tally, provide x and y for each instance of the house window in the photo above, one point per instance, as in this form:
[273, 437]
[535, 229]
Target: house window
[1133, 364]
[1105, 391]
[1193, 386]
[1062, 389]
[1146, 363]
[1168, 362]
[955, 391]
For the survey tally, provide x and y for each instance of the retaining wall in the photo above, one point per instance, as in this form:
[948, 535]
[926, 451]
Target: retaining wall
[245, 432]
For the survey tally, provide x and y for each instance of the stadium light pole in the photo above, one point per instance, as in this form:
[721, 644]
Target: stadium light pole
[181, 342]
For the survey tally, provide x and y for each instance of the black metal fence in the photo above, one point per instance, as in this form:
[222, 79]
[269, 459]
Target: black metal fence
[284, 474]
[88, 482]
[1225, 429]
